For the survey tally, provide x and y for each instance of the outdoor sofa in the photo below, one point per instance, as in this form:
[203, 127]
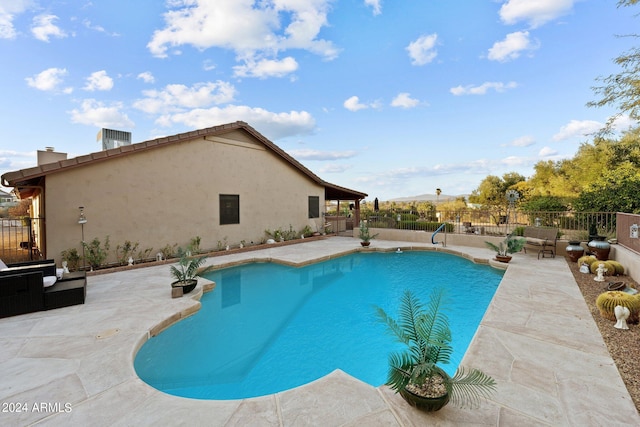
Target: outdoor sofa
[32, 286]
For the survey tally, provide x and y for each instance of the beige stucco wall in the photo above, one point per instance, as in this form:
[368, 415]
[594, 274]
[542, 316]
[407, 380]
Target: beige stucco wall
[170, 194]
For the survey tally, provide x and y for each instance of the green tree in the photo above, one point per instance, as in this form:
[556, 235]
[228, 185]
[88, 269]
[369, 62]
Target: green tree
[492, 190]
[621, 90]
[616, 191]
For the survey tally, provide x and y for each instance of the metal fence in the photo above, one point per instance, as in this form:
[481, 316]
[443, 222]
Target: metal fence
[572, 225]
[19, 240]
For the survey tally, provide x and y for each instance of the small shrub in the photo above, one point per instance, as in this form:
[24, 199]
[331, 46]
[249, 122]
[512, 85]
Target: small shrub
[169, 251]
[124, 251]
[72, 257]
[95, 252]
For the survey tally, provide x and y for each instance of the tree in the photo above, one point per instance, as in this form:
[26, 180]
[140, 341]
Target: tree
[621, 90]
[491, 191]
[616, 191]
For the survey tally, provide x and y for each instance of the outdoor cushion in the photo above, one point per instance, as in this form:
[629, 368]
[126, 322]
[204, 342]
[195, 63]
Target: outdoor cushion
[534, 241]
[48, 281]
[3, 265]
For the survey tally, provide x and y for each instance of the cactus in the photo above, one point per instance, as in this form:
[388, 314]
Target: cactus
[611, 269]
[587, 259]
[619, 267]
[607, 302]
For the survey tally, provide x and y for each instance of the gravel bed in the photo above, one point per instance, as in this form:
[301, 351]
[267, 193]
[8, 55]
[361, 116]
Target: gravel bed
[623, 345]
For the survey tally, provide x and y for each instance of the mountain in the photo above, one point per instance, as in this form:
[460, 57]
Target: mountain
[428, 198]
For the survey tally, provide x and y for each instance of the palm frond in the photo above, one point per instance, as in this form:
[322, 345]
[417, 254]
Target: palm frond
[400, 370]
[392, 325]
[467, 388]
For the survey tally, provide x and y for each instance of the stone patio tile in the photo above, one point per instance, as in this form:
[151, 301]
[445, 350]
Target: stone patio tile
[331, 401]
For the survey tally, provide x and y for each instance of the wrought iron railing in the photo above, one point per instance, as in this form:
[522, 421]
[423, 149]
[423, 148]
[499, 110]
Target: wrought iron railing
[572, 225]
[19, 240]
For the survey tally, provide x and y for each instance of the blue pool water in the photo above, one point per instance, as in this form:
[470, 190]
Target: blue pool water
[267, 327]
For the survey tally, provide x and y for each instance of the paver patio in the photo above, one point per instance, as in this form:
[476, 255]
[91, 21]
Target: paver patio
[74, 366]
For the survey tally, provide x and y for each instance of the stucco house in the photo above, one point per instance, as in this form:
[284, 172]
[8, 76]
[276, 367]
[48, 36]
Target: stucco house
[225, 183]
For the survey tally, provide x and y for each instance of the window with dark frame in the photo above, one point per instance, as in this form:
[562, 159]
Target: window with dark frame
[229, 209]
[314, 207]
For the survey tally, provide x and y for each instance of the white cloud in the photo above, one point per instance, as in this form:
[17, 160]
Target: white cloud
[9, 9]
[146, 77]
[376, 5]
[353, 104]
[523, 141]
[577, 128]
[404, 100]
[308, 154]
[254, 30]
[98, 80]
[422, 51]
[272, 125]
[43, 27]
[483, 88]
[334, 168]
[266, 68]
[97, 114]
[511, 47]
[48, 80]
[177, 97]
[547, 152]
[536, 13]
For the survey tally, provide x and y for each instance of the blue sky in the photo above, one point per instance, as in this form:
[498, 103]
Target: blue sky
[392, 98]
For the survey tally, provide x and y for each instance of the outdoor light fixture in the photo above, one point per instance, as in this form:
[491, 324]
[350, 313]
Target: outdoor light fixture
[82, 220]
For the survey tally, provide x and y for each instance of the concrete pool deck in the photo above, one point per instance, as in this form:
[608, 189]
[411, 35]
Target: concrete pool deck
[74, 366]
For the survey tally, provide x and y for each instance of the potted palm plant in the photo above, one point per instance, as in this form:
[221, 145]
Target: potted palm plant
[186, 271]
[415, 372]
[510, 245]
[364, 234]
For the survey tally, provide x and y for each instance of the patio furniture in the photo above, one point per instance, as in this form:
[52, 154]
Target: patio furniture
[27, 287]
[542, 239]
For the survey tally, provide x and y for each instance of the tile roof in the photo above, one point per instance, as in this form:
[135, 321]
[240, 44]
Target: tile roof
[28, 175]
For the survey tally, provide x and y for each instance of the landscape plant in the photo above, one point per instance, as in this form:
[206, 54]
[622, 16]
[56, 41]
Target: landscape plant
[95, 252]
[425, 332]
[72, 258]
[510, 245]
[125, 251]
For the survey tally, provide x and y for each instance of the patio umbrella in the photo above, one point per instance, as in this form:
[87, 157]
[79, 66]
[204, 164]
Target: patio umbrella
[375, 205]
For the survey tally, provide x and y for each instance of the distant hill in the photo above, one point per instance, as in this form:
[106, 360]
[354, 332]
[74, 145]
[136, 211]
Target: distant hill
[428, 198]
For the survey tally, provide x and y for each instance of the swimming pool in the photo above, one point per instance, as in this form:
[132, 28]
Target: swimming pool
[267, 327]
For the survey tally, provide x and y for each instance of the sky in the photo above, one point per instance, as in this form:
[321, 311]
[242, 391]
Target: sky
[391, 98]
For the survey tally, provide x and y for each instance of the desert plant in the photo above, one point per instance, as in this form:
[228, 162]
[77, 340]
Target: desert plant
[124, 251]
[188, 267]
[610, 268]
[95, 252]
[607, 302]
[510, 245]
[72, 258]
[619, 267]
[426, 334]
[364, 233]
[194, 245]
[168, 251]
[143, 254]
[587, 259]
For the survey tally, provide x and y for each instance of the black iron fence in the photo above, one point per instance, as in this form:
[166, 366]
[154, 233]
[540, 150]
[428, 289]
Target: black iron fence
[19, 239]
[572, 225]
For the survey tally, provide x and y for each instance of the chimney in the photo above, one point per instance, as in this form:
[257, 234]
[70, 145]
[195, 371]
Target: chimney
[49, 155]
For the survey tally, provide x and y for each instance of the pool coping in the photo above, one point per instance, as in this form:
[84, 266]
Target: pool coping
[504, 346]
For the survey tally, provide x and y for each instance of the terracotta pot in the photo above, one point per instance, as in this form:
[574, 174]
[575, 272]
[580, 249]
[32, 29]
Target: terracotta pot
[503, 258]
[574, 250]
[187, 286]
[600, 248]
